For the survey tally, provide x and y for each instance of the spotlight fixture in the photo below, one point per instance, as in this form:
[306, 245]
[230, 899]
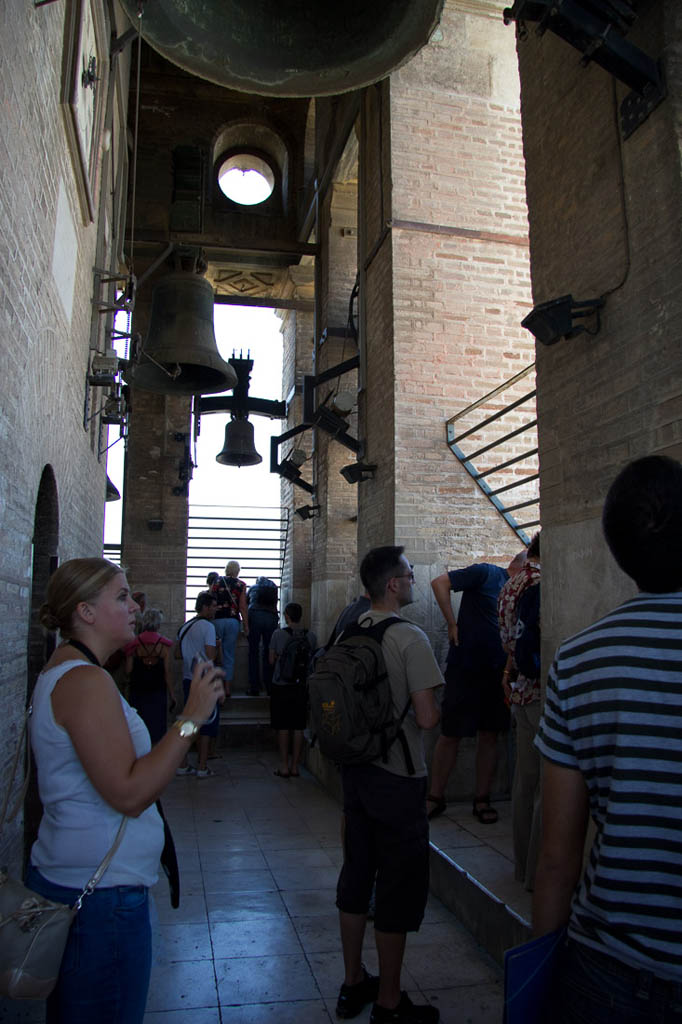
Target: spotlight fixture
[358, 471]
[297, 456]
[553, 320]
[308, 511]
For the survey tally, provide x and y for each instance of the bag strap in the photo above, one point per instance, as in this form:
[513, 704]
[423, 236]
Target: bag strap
[97, 877]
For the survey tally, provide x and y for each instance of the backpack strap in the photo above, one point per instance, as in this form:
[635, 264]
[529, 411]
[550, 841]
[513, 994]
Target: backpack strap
[376, 630]
[184, 630]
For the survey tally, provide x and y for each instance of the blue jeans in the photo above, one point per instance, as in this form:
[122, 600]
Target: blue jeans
[262, 624]
[104, 975]
[227, 631]
[597, 989]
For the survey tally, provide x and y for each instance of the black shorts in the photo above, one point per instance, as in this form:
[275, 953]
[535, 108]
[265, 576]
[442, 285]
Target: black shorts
[473, 702]
[212, 727]
[387, 837]
[288, 706]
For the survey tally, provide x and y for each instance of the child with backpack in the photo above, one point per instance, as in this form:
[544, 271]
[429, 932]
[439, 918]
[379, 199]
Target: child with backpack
[291, 651]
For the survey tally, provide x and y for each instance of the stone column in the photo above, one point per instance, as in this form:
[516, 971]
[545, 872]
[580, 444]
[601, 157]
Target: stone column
[155, 512]
[335, 531]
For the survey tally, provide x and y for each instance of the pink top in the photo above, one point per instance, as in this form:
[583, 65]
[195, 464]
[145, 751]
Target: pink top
[148, 638]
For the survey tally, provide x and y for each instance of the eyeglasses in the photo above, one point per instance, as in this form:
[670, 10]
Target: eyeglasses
[406, 575]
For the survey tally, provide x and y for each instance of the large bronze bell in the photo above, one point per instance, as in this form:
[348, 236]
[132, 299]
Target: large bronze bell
[239, 449]
[297, 48]
[180, 355]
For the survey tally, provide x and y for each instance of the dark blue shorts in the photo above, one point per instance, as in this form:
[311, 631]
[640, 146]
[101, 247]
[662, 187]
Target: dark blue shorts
[473, 702]
[211, 728]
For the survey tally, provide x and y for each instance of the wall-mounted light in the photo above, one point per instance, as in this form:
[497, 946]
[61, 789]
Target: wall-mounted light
[308, 511]
[553, 320]
[358, 471]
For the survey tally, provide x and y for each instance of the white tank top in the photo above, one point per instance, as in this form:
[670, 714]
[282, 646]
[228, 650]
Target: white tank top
[78, 826]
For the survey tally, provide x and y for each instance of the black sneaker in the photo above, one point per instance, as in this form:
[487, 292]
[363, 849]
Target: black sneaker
[405, 1013]
[354, 998]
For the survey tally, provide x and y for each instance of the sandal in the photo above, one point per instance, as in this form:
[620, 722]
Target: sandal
[280, 775]
[487, 815]
[440, 804]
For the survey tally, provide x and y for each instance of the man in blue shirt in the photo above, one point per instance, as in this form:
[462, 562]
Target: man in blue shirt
[474, 700]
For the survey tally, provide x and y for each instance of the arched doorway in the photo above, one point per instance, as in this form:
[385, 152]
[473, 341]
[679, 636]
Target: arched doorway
[39, 644]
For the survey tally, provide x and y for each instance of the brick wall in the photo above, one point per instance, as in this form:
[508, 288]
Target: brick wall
[445, 292]
[46, 330]
[604, 219]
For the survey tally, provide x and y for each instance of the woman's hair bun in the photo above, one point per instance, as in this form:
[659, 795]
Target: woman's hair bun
[47, 618]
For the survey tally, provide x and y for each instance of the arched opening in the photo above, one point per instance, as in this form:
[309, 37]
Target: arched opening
[39, 644]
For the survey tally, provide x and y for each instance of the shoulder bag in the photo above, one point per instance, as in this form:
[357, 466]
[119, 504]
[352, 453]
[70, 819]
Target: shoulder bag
[34, 930]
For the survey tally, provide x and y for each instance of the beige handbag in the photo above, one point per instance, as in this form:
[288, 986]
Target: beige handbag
[33, 930]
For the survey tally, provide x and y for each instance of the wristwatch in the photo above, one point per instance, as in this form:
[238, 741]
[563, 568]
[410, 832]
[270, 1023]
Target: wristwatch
[186, 728]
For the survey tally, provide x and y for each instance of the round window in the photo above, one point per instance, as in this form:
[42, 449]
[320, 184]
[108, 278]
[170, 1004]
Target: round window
[246, 179]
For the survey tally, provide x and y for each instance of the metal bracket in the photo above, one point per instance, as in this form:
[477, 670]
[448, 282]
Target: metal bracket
[637, 106]
[597, 29]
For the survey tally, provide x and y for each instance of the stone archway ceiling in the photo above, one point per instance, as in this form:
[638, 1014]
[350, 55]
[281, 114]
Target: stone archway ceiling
[287, 47]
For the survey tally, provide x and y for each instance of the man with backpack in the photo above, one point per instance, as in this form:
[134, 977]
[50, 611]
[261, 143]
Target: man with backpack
[291, 651]
[262, 624]
[386, 830]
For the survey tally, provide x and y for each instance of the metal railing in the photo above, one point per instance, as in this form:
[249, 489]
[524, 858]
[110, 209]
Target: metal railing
[256, 537]
[500, 451]
[112, 552]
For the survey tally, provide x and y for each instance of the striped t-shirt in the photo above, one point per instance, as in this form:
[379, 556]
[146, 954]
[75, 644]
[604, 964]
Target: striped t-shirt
[614, 711]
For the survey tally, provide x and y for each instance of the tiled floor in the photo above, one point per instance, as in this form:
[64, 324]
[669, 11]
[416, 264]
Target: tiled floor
[255, 938]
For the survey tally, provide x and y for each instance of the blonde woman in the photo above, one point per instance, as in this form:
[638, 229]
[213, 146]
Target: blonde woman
[96, 766]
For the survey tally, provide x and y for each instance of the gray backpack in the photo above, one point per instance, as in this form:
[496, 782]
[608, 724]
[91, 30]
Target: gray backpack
[351, 706]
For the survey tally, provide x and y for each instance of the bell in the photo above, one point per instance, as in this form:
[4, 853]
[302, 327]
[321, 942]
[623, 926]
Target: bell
[180, 355]
[298, 48]
[239, 449]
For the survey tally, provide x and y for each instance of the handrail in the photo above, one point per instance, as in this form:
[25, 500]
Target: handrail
[508, 455]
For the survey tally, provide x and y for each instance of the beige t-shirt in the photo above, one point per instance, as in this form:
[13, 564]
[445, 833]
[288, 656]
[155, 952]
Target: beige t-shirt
[411, 667]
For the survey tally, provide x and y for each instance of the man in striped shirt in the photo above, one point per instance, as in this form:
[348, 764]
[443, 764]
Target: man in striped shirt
[611, 738]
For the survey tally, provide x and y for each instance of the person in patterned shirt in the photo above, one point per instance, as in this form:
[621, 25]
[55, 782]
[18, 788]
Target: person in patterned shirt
[523, 694]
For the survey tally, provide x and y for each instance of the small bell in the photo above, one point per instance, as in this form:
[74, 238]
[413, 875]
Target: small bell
[239, 449]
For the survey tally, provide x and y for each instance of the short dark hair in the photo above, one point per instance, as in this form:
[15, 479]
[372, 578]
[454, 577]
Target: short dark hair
[378, 566]
[533, 549]
[294, 611]
[204, 599]
[641, 520]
